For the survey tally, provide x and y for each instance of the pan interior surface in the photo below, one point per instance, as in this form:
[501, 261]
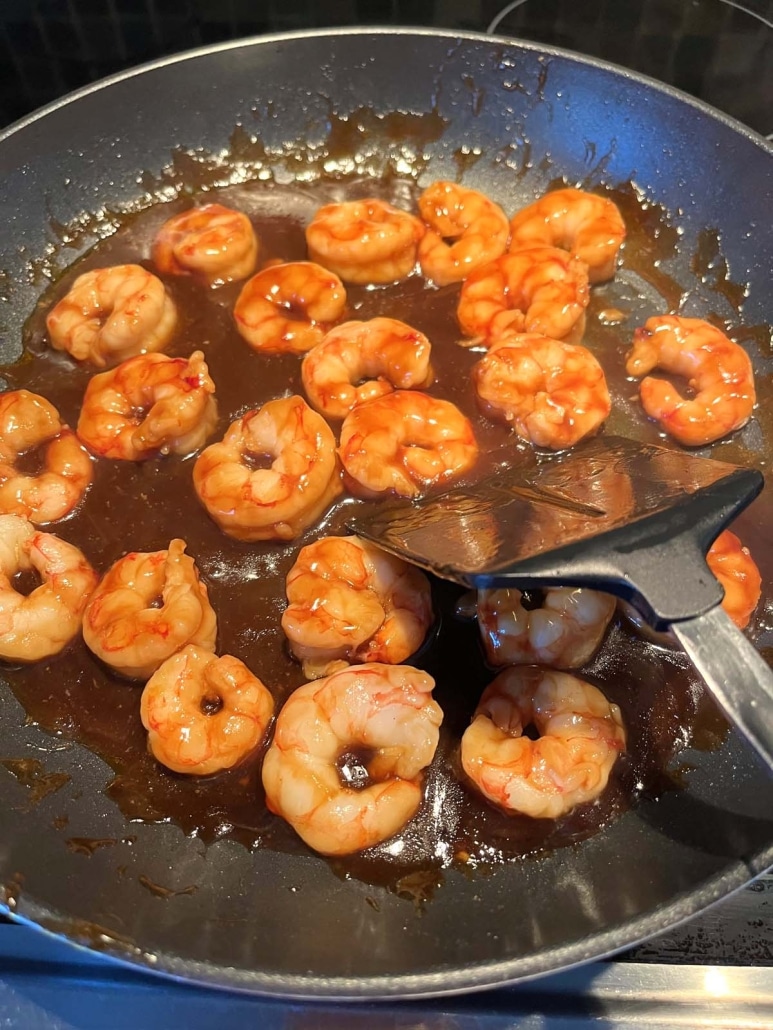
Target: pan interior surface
[508, 119]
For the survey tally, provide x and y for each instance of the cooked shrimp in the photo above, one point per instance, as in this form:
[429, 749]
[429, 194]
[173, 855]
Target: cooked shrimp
[148, 405]
[351, 602]
[477, 226]
[358, 361]
[29, 422]
[580, 737]
[564, 632]
[110, 314]
[276, 502]
[406, 441]
[147, 607]
[737, 571]
[364, 241]
[46, 620]
[204, 713]
[212, 242]
[536, 290]
[719, 371]
[554, 393]
[589, 226]
[386, 709]
[287, 309]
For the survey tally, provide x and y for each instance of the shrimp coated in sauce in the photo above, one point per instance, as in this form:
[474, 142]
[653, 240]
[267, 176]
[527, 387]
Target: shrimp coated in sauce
[44, 621]
[110, 314]
[148, 606]
[719, 372]
[477, 227]
[204, 714]
[406, 441]
[364, 241]
[358, 361]
[554, 393]
[351, 602]
[386, 709]
[29, 422]
[212, 242]
[288, 308]
[564, 632]
[279, 501]
[589, 226]
[148, 405]
[737, 571]
[536, 290]
[580, 736]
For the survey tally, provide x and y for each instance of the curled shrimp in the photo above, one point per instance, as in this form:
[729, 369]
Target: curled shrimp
[212, 242]
[358, 361]
[351, 602]
[536, 290]
[477, 227]
[737, 571]
[554, 393]
[580, 737]
[44, 621]
[564, 632]
[406, 441]
[589, 226]
[148, 606]
[280, 501]
[287, 309]
[364, 241]
[204, 713]
[110, 314]
[29, 422]
[386, 709]
[719, 372]
[148, 405]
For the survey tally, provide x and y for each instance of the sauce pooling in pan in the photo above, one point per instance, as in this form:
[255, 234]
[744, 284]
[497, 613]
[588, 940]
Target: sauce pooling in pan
[142, 506]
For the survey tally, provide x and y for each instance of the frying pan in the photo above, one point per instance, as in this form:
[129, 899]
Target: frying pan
[286, 924]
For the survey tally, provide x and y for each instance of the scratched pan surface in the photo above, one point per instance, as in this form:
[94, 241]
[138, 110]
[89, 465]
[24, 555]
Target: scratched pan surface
[498, 113]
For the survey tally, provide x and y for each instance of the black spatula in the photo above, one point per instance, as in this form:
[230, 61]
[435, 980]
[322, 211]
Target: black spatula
[631, 519]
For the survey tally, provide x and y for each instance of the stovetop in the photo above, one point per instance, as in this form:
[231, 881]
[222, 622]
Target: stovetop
[717, 967]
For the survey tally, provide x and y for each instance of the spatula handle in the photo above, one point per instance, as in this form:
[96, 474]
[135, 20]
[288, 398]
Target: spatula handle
[736, 674]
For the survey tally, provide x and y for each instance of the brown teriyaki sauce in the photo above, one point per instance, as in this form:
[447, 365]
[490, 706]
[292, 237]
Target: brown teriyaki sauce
[142, 506]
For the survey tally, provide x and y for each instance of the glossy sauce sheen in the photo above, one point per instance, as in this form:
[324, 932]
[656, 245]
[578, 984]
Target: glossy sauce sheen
[142, 506]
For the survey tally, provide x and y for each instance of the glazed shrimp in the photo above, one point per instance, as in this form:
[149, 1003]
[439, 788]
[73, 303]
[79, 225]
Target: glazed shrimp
[477, 226]
[287, 309]
[589, 226]
[276, 502]
[148, 405]
[386, 709]
[737, 571]
[29, 422]
[212, 242]
[204, 713]
[110, 314]
[536, 290]
[364, 241]
[42, 623]
[580, 737]
[405, 442]
[358, 361]
[350, 602]
[719, 372]
[564, 632]
[147, 607]
[553, 393]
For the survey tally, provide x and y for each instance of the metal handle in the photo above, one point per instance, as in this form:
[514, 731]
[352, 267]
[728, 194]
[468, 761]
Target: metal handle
[734, 671]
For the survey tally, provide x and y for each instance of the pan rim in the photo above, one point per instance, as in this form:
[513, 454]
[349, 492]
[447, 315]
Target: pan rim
[455, 980]
[386, 30]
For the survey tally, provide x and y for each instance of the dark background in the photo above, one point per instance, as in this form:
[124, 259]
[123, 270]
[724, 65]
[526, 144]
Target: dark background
[715, 49]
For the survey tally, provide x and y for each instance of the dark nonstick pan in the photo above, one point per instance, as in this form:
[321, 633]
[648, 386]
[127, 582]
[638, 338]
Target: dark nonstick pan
[510, 119]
